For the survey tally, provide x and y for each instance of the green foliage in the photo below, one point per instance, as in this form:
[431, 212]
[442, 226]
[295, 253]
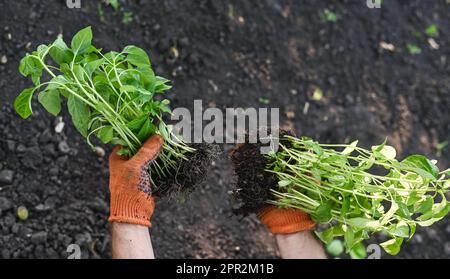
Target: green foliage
[114, 3]
[264, 101]
[335, 247]
[413, 49]
[432, 30]
[109, 95]
[329, 16]
[356, 192]
[127, 18]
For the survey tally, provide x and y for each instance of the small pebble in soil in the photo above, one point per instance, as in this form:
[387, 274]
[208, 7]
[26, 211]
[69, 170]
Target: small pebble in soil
[22, 213]
[6, 176]
[418, 238]
[21, 148]
[11, 145]
[41, 207]
[39, 237]
[5, 254]
[4, 59]
[59, 127]
[100, 152]
[447, 248]
[5, 204]
[63, 147]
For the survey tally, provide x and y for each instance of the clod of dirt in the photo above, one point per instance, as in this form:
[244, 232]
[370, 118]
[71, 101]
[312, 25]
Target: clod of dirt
[253, 183]
[190, 174]
[252, 189]
[6, 176]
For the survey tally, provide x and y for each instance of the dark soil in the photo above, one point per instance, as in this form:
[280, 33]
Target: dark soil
[191, 173]
[229, 54]
[253, 181]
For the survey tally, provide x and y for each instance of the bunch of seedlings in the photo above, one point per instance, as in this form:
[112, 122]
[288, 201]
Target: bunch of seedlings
[350, 191]
[116, 97]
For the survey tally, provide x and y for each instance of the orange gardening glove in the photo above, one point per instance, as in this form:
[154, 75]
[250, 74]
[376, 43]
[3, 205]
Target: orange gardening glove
[129, 184]
[285, 221]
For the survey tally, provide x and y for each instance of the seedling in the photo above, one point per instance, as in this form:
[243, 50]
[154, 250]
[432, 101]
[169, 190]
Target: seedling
[264, 101]
[317, 94]
[127, 18]
[413, 49]
[432, 30]
[114, 3]
[352, 191]
[113, 96]
[329, 16]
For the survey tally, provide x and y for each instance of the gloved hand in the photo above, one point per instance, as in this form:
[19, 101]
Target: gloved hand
[129, 184]
[285, 221]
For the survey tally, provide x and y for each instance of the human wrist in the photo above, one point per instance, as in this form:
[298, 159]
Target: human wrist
[132, 209]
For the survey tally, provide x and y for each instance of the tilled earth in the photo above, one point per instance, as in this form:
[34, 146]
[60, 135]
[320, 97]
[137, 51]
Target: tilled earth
[229, 54]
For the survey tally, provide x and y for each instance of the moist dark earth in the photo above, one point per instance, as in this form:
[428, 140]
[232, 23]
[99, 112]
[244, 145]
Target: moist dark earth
[229, 54]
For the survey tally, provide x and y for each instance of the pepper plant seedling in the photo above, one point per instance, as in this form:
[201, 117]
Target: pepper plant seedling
[109, 95]
[356, 191]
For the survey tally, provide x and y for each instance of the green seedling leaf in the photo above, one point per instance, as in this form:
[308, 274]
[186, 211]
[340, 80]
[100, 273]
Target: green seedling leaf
[426, 205]
[413, 49]
[432, 30]
[31, 66]
[363, 223]
[399, 230]
[128, 88]
[390, 213]
[392, 247]
[403, 210]
[335, 248]
[22, 104]
[358, 252]
[127, 18]
[326, 236]
[137, 57]
[322, 213]
[82, 41]
[349, 237]
[148, 79]
[136, 124]
[59, 52]
[349, 149]
[42, 51]
[284, 183]
[161, 84]
[317, 94]
[51, 101]
[92, 66]
[106, 134]
[329, 16]
[146, 131]
[114, 3]
[264, 101]
[387, 151]
[420, 165]
[80, 114]
[345, 206]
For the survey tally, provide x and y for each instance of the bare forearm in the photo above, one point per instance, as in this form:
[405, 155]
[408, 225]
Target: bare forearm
[131, 241]
[300, 245]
